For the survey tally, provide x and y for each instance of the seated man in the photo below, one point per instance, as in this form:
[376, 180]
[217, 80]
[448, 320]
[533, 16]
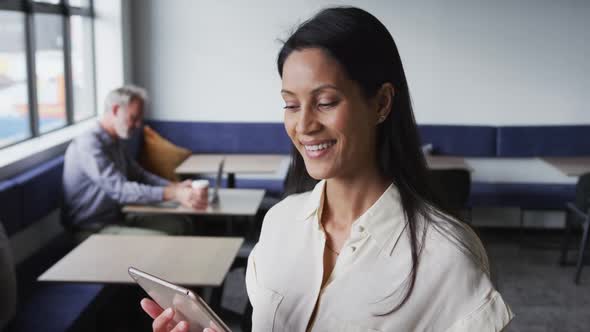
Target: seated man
[100, 177]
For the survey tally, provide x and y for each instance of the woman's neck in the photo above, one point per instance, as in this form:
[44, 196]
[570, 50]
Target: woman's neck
[346, 199]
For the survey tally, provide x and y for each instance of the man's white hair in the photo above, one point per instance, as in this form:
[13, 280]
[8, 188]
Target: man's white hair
[124, 95]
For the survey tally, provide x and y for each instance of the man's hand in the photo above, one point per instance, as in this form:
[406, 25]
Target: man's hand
[186, 195]
[185, 183]
[192, 198]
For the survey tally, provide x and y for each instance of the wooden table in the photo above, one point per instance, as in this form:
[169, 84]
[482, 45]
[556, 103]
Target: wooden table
[234, 163]
[232, 202]
[191, 261]
[570, 166]
[447, 162]
[200, 164]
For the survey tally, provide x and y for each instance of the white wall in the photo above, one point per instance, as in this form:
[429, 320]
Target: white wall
[468, 62]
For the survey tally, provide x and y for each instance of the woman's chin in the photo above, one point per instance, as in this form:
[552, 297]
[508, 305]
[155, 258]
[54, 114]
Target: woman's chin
[319, 173]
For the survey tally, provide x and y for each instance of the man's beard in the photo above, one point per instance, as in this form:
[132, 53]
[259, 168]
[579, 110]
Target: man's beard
[122, 130]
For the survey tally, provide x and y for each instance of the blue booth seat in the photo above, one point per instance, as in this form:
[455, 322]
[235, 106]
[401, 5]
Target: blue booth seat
[27, 198]
[272, 187]
[41, 189]
[468, 141]
[11, 211]
[55, 308]
[455, 140]
[215, 137]
[541, 196]
[544, 141]
[50, 306]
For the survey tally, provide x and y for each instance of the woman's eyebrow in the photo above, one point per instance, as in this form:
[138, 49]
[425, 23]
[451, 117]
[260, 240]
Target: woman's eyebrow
[324, 87]
[314, 91]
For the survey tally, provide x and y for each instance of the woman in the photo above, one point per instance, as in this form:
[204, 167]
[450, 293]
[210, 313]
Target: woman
[368, 249]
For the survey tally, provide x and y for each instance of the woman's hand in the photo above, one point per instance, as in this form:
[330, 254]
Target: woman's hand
[162, 318]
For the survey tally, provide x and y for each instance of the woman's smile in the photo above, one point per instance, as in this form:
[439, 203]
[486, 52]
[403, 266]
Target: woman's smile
[318, 149]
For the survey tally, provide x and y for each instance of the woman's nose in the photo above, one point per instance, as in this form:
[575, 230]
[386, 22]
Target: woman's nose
[307, 121]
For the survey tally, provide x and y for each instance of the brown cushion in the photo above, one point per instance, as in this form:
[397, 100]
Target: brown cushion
[160, 156]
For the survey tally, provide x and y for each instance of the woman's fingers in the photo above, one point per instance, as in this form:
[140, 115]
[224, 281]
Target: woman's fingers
[151, 308]
[163, 319]
[212, 328]
[162, 322]
[180, 327]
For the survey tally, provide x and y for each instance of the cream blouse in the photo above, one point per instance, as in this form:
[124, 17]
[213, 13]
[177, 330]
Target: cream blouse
[285, 269]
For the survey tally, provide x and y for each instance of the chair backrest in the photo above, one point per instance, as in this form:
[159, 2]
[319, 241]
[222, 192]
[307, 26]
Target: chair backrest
[583, 193]
[7, 281]
[451, 187]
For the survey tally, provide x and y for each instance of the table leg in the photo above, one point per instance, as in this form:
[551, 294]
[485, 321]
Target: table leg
[231, 180]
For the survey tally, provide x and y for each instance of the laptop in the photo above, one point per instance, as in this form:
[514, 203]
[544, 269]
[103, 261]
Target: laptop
[214, 197]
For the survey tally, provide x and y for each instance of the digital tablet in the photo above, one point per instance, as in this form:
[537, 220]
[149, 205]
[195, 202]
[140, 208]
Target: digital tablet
[188, 306]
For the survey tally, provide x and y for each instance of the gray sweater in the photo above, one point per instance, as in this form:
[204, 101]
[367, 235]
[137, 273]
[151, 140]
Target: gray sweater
[99, 177]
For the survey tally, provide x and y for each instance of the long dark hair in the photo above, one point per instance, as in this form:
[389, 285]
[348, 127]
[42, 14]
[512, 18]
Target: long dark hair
[367, 52]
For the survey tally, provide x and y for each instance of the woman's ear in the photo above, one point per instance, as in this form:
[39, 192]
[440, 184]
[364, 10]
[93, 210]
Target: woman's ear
[384, 101]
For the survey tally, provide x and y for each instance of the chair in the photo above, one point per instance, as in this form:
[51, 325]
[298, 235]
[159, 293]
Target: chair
[578, 213]
[451, 188]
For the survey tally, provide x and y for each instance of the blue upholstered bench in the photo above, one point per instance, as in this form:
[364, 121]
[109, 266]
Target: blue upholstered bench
[25, 199]
[512, 142]
[535, 141]
[457, 140]
[12, 209]
[454, 140]
[50, 306]
[539, 196]
[272, 187]
[543, 141]
[41, 190]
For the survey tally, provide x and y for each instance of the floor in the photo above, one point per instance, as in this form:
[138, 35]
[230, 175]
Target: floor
[541, 293]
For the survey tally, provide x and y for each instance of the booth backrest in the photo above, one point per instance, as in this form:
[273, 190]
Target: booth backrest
[213, 137]
[12, 209]
[468, 141]
[41, 188]
[455, 140]
[535, 141]
[31, 195]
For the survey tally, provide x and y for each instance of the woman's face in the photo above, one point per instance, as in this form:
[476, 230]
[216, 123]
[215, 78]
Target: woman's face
[326, 116]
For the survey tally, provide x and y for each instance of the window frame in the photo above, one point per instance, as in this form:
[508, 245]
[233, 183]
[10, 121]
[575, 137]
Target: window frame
[65, 11]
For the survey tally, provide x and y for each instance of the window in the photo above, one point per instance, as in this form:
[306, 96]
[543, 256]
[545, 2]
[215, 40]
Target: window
[49, 59]
[80, 3]
[82, 67]
[47, 76]
[14, 98]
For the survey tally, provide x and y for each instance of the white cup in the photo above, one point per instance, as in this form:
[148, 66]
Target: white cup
[202, 187]
[200, 184]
